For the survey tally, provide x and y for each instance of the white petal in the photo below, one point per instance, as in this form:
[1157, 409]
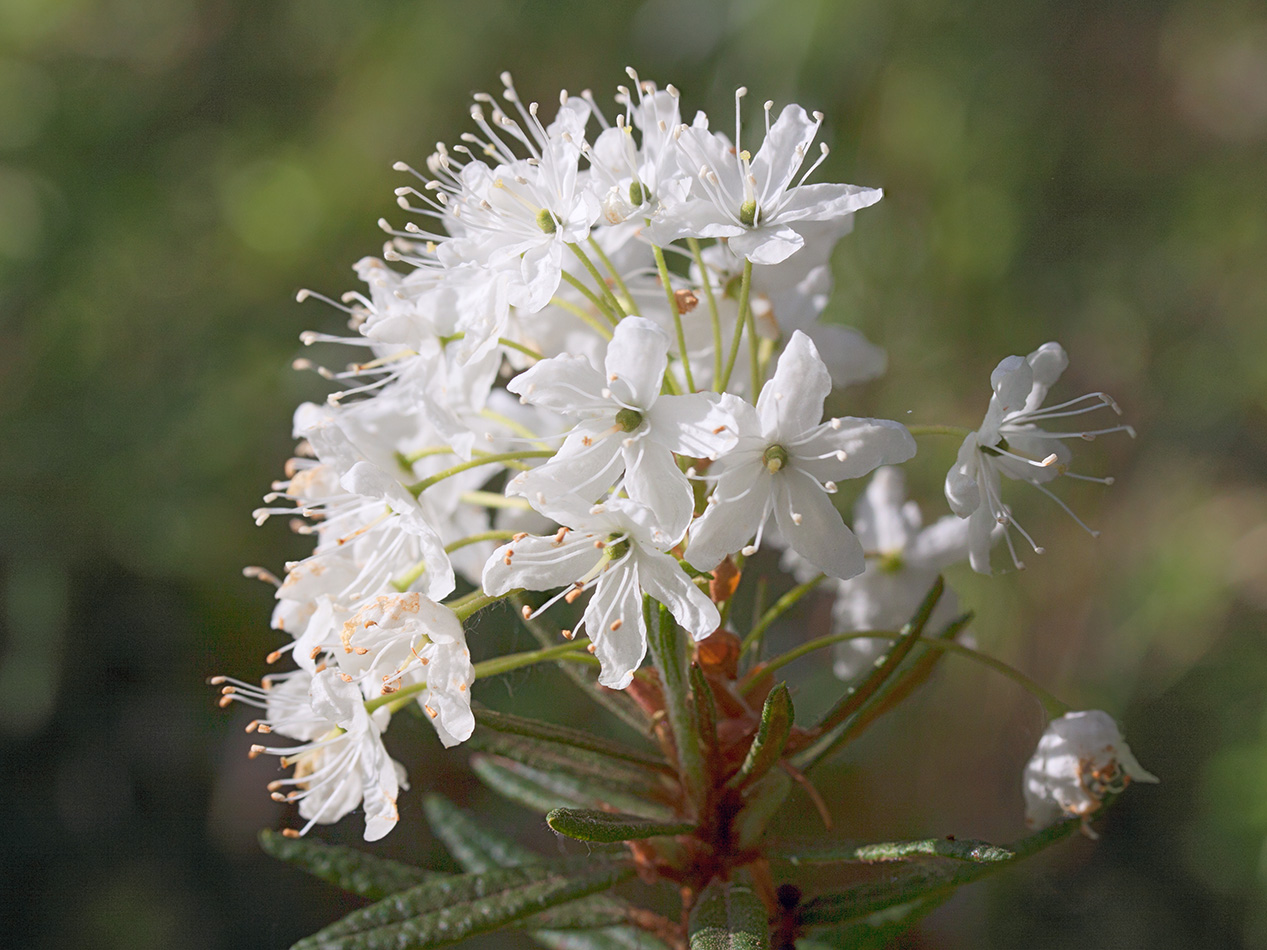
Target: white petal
[962, 493]
[792, 401]
[636, 357]
[743, 495]
[541, 269]
[566, 383]
[813, 527]
[653, 479]
[1012, 381]
[578, 468]
[769, 245]
[699, 425]
[981, 525]
[1047, 362]
[879, 519]
[866, 444]
[783, 150]
[381, 780]
[540, 563]
[826, 201]
[617, 601]
[667, 583]
[941, 544]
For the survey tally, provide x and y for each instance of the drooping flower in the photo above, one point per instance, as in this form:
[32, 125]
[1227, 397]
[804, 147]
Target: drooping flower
[1010, 442]
[626, 427]
[617, 550]
[1080, 758]
[786, 463]
[340, 763]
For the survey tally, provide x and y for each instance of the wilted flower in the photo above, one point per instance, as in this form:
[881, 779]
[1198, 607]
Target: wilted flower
[1081, 757]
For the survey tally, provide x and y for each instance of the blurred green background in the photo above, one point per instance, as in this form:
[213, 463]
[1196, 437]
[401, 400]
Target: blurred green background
[172, 171]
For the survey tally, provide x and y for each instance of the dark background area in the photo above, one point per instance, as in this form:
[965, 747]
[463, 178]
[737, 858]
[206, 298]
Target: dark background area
[172, 171]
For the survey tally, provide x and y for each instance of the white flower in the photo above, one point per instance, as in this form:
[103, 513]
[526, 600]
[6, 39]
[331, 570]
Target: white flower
[341, 762]
[754, 200]
[903, 561]
[399, 640]
[787, 463]
[519, 216]
[1011, 443]
[616, 549]
[626, 426]
[1081, 757]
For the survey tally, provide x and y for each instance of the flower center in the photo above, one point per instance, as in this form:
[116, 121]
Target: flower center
[748, 213]
[628, 419]
[775, 458]
[892, 562]
[637, 194]
[617, 547]
[546, 222]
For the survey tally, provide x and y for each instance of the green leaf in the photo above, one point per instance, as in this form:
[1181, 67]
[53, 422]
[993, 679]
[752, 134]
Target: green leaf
[544, 791]
[922, 880]
[876, 931]
[478, 849]
[449, 909]
[534, 729]
[828, 852]
[705, 712]
[608, 828]
[729, 916]
[471, 842]
[354, 871]
[554, 758]
[772, 735]
[762, 800]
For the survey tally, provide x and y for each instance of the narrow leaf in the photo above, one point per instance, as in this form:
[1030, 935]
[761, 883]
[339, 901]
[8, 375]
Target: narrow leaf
[729, 916]
[478, 849]
[876, 931]
[354, 871]
[772, 735]
[544, 791]
[556, 758]
[535, 729]
[820, 852]
[450, 909]
[705, 712]
[922, 880]
[471, 842]
[762, 800]
[608, 828]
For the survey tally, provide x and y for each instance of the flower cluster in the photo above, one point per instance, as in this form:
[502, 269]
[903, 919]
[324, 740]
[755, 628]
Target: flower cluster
[594, 366]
